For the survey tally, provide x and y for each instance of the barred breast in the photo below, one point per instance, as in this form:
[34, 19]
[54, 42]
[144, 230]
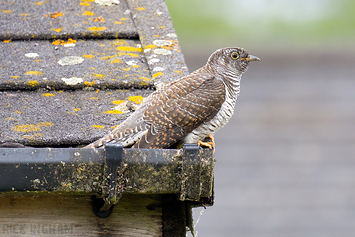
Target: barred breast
[232, 88]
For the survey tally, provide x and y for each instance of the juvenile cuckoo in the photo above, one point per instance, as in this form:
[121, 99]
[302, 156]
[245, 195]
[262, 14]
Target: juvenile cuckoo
[189, 109]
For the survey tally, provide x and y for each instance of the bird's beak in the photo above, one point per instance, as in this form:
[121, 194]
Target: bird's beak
[252, 58]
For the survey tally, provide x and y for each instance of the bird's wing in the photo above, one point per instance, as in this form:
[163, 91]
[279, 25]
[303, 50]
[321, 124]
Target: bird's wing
[180, 108]
[130, 130]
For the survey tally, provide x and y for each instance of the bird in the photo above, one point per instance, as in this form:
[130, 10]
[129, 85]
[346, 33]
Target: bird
[189, 109]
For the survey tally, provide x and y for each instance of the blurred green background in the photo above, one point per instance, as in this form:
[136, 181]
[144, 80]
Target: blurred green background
[266, 25]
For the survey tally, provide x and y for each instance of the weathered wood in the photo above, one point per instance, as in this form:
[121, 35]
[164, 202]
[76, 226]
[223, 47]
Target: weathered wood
[174, 216]
[60, 215]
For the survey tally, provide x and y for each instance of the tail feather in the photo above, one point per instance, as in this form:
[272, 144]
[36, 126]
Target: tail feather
[127, 133]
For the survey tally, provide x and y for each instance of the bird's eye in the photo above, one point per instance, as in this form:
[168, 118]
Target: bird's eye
[234, 55]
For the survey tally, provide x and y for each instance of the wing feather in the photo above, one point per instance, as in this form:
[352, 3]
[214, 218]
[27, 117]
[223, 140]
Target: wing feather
[180, 108]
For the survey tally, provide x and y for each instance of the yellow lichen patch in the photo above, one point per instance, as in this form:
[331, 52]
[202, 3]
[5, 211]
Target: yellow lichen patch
[136, 99]
[129, 49]
[143, 83]
[15, 77]
[97, 91]
[98, 75]
[87, 13]
[156, 36]
[115, 126]
[158, 74]
[85, 4]
[33, 83]
[48, 94]
[150, 46]
[7, 11]
[170, 44]
[66, 185]
[33, 136]
[57, 29]
[89, 83]
[95, 34]
[60, 91]
[136, 66]
[113, 111]
[24, 14]
[118, 22]
[117, 102]
[92, 68]
[128, 54]
[37, 60]
[45, 124]
[76, 109]
[126, 69]
[70, 41]
[36, 73]
[123, 19]
[161, 27]
[144, 78]
[9, 118]
[119, 42]
[94, 98]
[54, 15]
[26, 128]
[38, 3]
[140, 8]
[108, 57]
[57, 42]
[116, 60]
[178, 72]
[31, 127]
[98, 126]
[99, 18]
[88, 56]
[95, 28]
[18, 112]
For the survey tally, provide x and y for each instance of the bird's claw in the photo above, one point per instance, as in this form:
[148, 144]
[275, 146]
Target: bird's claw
[210, 145]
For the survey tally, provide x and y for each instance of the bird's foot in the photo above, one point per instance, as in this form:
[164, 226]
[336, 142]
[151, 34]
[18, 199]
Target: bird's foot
[210, 144]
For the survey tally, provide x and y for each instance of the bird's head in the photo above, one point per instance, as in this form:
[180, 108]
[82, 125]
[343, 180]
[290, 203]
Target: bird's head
[234, 60]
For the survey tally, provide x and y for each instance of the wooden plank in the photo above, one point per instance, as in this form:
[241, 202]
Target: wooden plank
[60, 215]
[174, 216]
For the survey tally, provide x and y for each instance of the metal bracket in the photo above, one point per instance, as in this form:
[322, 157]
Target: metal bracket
[113, 160]
[191, 172]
